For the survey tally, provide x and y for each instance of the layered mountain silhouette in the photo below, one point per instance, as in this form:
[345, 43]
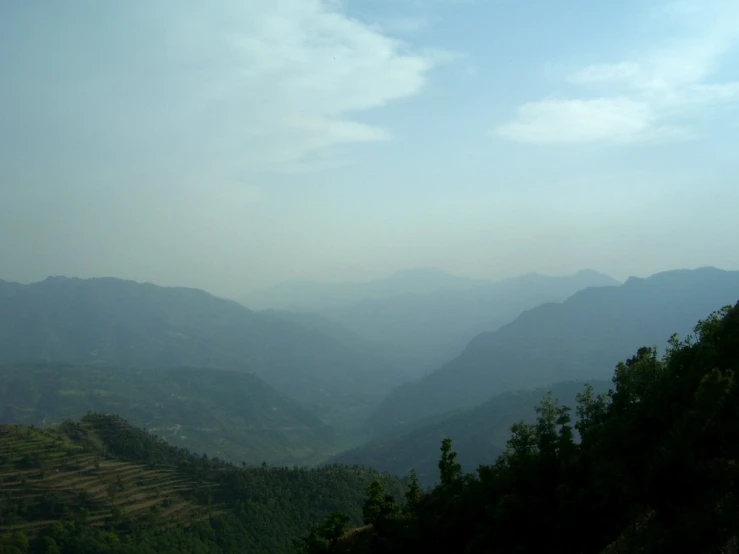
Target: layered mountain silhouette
[580, 338]
[314, 296]
[421, 318]
[123, 323]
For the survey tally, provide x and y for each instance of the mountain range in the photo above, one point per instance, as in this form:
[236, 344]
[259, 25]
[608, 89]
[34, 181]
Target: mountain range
[314, 296]
[582, 337]
[422, 318]
[112, 322]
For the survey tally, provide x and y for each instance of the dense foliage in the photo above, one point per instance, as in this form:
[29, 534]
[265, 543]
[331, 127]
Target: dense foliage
[102, 486]
[228, 414]
[654, 470]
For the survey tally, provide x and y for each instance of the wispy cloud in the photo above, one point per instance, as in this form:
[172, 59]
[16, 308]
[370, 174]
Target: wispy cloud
[566, 121]
[228, 87]
[300, 72]
[653, 97]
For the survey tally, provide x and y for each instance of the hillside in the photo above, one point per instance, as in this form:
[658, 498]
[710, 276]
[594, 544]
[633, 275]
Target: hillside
[389, 353]
[234, 416]
[430, 328]
[60, 473]
[648, 467]
[418, 319]
[99, 485]
[127, 324]
[480, 434]
[580, 338]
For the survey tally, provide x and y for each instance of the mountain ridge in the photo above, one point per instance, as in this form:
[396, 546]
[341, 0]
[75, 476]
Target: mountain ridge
[581, 337]
[115, 322]
[426, 328]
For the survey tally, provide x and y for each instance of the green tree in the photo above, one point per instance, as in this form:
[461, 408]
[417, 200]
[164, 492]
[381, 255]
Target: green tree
[334, 527]
[15, 542]
[413, 495]
[590, 410]
[449, 469]
[378, 505]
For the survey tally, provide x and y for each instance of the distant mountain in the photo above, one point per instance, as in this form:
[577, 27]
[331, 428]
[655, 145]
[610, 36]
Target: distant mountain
[122, 323]
[431, 328]
[312, 296]
[389, 354]
[580, 338]
[479, 434]
[422, 318]
[232, 415]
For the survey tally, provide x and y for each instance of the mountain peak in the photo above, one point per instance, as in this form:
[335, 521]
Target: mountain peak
[420, 272]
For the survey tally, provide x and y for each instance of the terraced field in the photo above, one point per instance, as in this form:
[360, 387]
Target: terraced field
[64, 473]
[100, 485]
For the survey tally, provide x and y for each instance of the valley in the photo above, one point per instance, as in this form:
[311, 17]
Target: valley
[108, 435]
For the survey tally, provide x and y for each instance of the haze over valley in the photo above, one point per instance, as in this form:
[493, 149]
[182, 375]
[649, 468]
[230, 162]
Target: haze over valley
[369, 276]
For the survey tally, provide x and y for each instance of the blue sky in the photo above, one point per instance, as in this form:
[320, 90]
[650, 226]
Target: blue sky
[234, 144]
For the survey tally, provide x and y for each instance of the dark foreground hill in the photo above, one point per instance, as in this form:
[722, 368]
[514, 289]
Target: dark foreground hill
[655, 470]
[100, 486]
[580, 338]
[480, 434]
[234, 416]
[127, 324]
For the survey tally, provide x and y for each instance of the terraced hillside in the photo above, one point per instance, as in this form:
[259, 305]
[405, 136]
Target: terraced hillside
[65, 473]
[99, 485]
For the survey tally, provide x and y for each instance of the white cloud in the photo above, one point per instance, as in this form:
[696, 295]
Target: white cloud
[234, 86]
[579, 120]
[649, 98]
[303, 68]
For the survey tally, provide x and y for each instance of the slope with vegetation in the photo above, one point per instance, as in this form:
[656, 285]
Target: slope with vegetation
[580, 338]
[234, 416]
[655, 470]
[480, 434]
[127, 324]
[102, 486]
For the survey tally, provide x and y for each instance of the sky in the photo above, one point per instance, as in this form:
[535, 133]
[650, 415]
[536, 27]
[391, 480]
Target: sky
[231, 145]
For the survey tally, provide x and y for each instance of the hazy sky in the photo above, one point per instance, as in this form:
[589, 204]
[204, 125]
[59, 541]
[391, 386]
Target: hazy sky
[232, 144]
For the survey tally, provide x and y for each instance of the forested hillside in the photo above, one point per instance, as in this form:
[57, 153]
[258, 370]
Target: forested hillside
[654, 469]
[232, 415]
[580, 338]
[480, 434]
[127, 324]
[100, 486]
